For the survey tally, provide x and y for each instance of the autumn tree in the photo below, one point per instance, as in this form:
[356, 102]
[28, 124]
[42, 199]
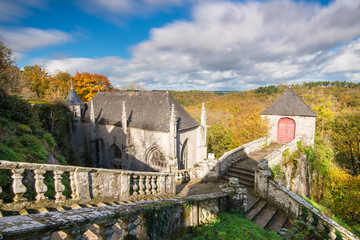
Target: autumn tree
[59, 85]
[38, 80]
[87, 85]
[346, 140]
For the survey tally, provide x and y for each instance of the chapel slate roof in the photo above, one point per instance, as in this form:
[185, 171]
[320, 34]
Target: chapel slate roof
[144, 110]
[289, 104]
[72, 98]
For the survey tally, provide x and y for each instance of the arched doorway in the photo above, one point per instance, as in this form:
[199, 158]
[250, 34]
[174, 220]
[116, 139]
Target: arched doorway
[286, 130]
[184, 155]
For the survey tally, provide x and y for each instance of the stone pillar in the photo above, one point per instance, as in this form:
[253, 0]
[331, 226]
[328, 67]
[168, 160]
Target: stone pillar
[201, 138]
[237, 193]
[124, 118]
[93, 136]
[82, 185]
[172, 164]
[203, 122]
[262, 175]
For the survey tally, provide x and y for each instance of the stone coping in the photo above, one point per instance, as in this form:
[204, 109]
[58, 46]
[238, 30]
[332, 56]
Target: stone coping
[35, 225]
[68, 168]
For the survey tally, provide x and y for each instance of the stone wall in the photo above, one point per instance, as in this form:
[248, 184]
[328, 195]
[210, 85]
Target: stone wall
[211, 169]
[276, 157]
[156, 219]
[304, 127]
[86, 184]
[293, 204]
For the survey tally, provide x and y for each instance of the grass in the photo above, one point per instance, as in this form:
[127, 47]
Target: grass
[231, 226]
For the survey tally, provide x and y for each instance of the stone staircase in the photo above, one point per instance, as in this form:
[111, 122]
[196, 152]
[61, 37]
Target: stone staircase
[266, 215]
[244, 171]
[259, 210]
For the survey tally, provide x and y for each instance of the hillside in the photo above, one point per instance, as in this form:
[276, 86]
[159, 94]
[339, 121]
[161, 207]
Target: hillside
[234, 119]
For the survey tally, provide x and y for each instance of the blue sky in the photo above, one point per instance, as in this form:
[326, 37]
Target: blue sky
[188, 44]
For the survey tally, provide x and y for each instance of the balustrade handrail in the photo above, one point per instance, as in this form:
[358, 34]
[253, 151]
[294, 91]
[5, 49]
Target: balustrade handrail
[200, 209]
[313, 211]
[293, 203]
[86, 184]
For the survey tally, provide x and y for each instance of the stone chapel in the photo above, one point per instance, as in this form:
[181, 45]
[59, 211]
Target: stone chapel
[144, 131]
[291, 118]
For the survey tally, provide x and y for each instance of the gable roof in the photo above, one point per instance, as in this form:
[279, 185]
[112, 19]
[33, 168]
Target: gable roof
[72, 98]
[289, 104]
[145, 110]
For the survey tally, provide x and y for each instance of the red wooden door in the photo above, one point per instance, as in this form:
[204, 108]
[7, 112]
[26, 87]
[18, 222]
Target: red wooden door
[286, 130]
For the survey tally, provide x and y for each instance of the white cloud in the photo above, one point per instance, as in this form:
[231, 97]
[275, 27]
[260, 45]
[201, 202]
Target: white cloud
[347, 59]
[229, 45]
[73, 65]
[21, 40]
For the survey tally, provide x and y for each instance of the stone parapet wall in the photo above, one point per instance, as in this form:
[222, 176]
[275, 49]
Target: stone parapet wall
[155, 219]
[211, 169]
[277, 156]
[230, 158]
[86, 184]
[293, 204]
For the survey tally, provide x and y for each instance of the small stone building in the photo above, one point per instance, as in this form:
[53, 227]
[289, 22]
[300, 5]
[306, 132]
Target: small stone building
[289, 118]
[144, 131]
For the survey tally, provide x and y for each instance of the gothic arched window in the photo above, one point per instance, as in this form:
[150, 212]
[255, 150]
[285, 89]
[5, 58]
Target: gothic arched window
[157, 158]
[115, 156]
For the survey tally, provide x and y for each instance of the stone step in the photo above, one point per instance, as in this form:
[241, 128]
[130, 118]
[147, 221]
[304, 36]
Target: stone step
[243, 182]
[246, 168]
[251, 201]
[277, 222]
[240, 175]
[256, 209]
[265, 216]
[242, 171]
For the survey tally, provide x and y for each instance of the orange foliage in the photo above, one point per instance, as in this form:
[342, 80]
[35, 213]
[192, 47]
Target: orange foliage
[87, 85]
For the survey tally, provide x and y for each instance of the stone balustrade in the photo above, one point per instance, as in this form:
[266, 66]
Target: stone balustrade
[85, 184]
[294, 204]
[152, 219]
[183, 176]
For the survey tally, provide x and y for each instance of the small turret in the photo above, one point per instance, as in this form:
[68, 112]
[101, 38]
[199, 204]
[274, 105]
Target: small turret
[75, 104]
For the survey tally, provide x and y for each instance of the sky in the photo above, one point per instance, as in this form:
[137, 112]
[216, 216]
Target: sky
[210, 45]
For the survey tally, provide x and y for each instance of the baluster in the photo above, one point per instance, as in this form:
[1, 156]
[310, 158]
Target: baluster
[77, 232]
[148, 184]
[153, 185]
[310, 218]
[332, 234]
[320, 226]
[18, 187]
[73, 186]
[135, 186]
[160, 184]
[141, 185]
[1, 201]
[106, 231]
[59, 187]
[40, 186]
